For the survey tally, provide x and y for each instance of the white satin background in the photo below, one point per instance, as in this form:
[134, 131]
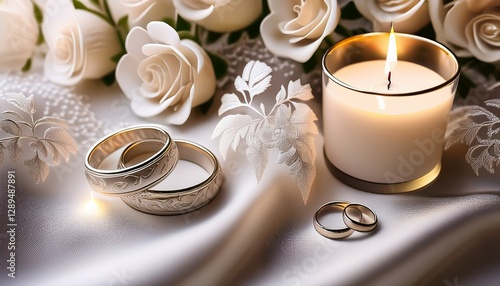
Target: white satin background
[252, 233]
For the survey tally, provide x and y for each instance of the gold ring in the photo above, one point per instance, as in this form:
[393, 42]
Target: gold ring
[328, 232]
[359, 218]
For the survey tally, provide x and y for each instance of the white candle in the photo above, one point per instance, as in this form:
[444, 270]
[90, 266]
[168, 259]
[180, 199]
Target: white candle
[385, 138]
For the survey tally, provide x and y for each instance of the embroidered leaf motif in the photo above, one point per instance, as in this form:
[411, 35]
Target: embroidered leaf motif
[1, 154]
[232, 128]
[25, 104]
[281, 94]
[13, 114]
[39, 170]
[289, 126]
[298, 91]
[56, 144]
[481, 111]
[229, 101]
[483, 160]
[493, 102]
[14, 149]
[51, 120]
[258, 157]
[479, 129]
[61, 141]
[37, 146]
[11, 127]
[257, 75]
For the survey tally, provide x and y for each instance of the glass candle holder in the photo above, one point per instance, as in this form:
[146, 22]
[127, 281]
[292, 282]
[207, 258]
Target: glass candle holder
[387, 137]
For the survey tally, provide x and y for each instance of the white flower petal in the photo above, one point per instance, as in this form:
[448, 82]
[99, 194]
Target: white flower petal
[222, 16]
[180, 115]
[136, 39]
[19, 32]
[298, 46]
[454, 24]
[126, 75]
[163, 33]
[192, 14]
[80, 43]
[408, 16]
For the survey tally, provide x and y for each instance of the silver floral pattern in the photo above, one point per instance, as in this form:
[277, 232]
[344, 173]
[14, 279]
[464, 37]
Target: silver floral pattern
[48, 137]
[289, 126]
[479, 128]
[43, 125]
[175, 202]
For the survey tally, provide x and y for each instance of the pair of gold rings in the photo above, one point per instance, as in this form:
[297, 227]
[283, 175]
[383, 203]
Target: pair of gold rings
[356, 217]
[133, 181]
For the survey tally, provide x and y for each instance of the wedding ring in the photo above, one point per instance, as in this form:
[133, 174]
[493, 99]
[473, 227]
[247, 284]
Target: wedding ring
[328, 232]
[359, 218]
[172, 202]
[135, 178]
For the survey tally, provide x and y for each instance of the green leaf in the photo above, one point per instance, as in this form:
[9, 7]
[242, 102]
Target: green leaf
[219, 64]
[40, 40]
[350, 12]
[329, 41]
[38, 13]
[122, 24]
[311, 64]
[116, 58]
[343, 31]
[359, 31]
[234, 37]
[253, 30]
[39, 19]
[80, 6]
[27, 66]
[212, 37]
[265, 8]
[109, 79]
[427, 32]
[182, 25]
[96, 2]
[205, 107]
[187, 35]
[465, 84]
[169, 21]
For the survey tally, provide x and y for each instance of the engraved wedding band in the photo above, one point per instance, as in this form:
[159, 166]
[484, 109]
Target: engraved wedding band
[135, 178]
[171, 202]
[356, 217]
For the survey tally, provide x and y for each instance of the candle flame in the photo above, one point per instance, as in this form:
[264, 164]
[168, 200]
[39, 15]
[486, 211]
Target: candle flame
[392, 53]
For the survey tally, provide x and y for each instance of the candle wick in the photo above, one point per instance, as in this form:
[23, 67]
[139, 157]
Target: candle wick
[389, 79]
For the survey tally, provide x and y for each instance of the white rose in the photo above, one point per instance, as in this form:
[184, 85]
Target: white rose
[141, 12]
[469, 28]
[408, 16]
[220, 15]
[162, 74]
[80, 43]
[19, 31]
[295, 29]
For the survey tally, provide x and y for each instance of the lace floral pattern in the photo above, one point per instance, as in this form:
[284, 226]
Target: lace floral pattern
[289, 125]
[41, 123]
[479, 128]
